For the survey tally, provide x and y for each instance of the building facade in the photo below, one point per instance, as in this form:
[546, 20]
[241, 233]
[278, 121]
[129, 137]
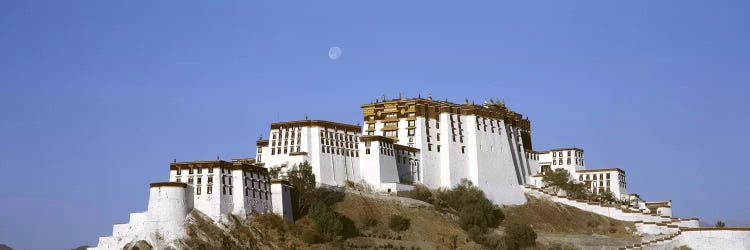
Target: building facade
[331, 148]
[604, 180]
[570, 159]
[485, 144]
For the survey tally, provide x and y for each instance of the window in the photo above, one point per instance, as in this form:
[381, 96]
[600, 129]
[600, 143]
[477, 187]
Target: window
[367, 151]
[178, 179]
[412, 123]
[554, 153]
[209, 189]
[463, 149]
[199, 180]
[190, 171]
[210, 180]
[210, 170]
[568, 161]
[190, 180]
[393, 133]
[429, 147]
[179, 171]
[411, 131]
[198, 190]
[438, 148]
[438, 136]
[390, 115]
[200, 170]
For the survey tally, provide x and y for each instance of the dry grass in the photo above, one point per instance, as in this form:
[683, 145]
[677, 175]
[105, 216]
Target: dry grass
[428, 229]
[548, 216]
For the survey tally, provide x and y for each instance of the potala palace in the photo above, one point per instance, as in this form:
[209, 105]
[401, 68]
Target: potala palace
[404, 142]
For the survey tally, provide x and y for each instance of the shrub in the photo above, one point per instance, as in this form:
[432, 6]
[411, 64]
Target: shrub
[310, 236]
[488, 240]
[398, 223]
[327, 222]
[720, 224]
[420, 192]
[368, 221]
[683, 247]
[269, 221]
[472, 206]
[520, 236]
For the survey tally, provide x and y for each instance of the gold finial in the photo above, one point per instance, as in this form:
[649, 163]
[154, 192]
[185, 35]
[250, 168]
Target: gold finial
[429, 96]
[384, 98]
[466, 101]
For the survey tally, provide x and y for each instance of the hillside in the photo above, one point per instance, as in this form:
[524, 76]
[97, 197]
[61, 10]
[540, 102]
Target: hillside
[557, 225]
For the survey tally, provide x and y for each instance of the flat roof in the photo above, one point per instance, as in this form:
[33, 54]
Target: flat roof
[600, 170]
[317, 123]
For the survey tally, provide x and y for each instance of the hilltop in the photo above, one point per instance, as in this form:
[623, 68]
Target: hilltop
[558, 226]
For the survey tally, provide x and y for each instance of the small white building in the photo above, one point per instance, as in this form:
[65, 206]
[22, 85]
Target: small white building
[570, 159]
[602, 180]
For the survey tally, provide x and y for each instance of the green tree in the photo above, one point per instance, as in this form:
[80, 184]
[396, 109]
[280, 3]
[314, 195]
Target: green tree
[274, 172]
[720, 224]
[607, 197]
[303, 180]
[472, 206]
[327, 222]
[557, 179]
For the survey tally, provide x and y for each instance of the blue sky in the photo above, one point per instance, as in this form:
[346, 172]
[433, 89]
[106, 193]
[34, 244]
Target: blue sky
[97, 97]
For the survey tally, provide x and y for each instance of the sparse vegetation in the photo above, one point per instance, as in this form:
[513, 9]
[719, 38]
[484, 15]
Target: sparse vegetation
[398, 223]
[683, 247]
[720, 224]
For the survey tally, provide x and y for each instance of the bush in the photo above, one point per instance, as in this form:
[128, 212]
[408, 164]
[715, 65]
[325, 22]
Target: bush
[472, 206]
[720, 224]
[310, 236]
[398, 223]
[420, 192]
[488, 240]
[520, 236]
[368, 220]
[683, 247]
[327, 222]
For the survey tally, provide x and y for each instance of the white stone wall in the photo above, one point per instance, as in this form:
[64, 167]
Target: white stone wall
[162, 223]
[709, 238]
[559, 158]
[493, 159]
[332, 153]
[281, 194]
[608, 179]
[379, 165]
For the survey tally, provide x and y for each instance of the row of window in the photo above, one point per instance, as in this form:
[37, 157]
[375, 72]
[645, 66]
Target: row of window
[338, 136]
[339, 151]
[200, 170]
[278, 143]
[569, 153]
[559, 161]
[287, 133]
[228, 190]
[284, 150]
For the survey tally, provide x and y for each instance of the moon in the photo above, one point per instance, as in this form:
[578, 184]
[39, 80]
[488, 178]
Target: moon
[334, 53]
